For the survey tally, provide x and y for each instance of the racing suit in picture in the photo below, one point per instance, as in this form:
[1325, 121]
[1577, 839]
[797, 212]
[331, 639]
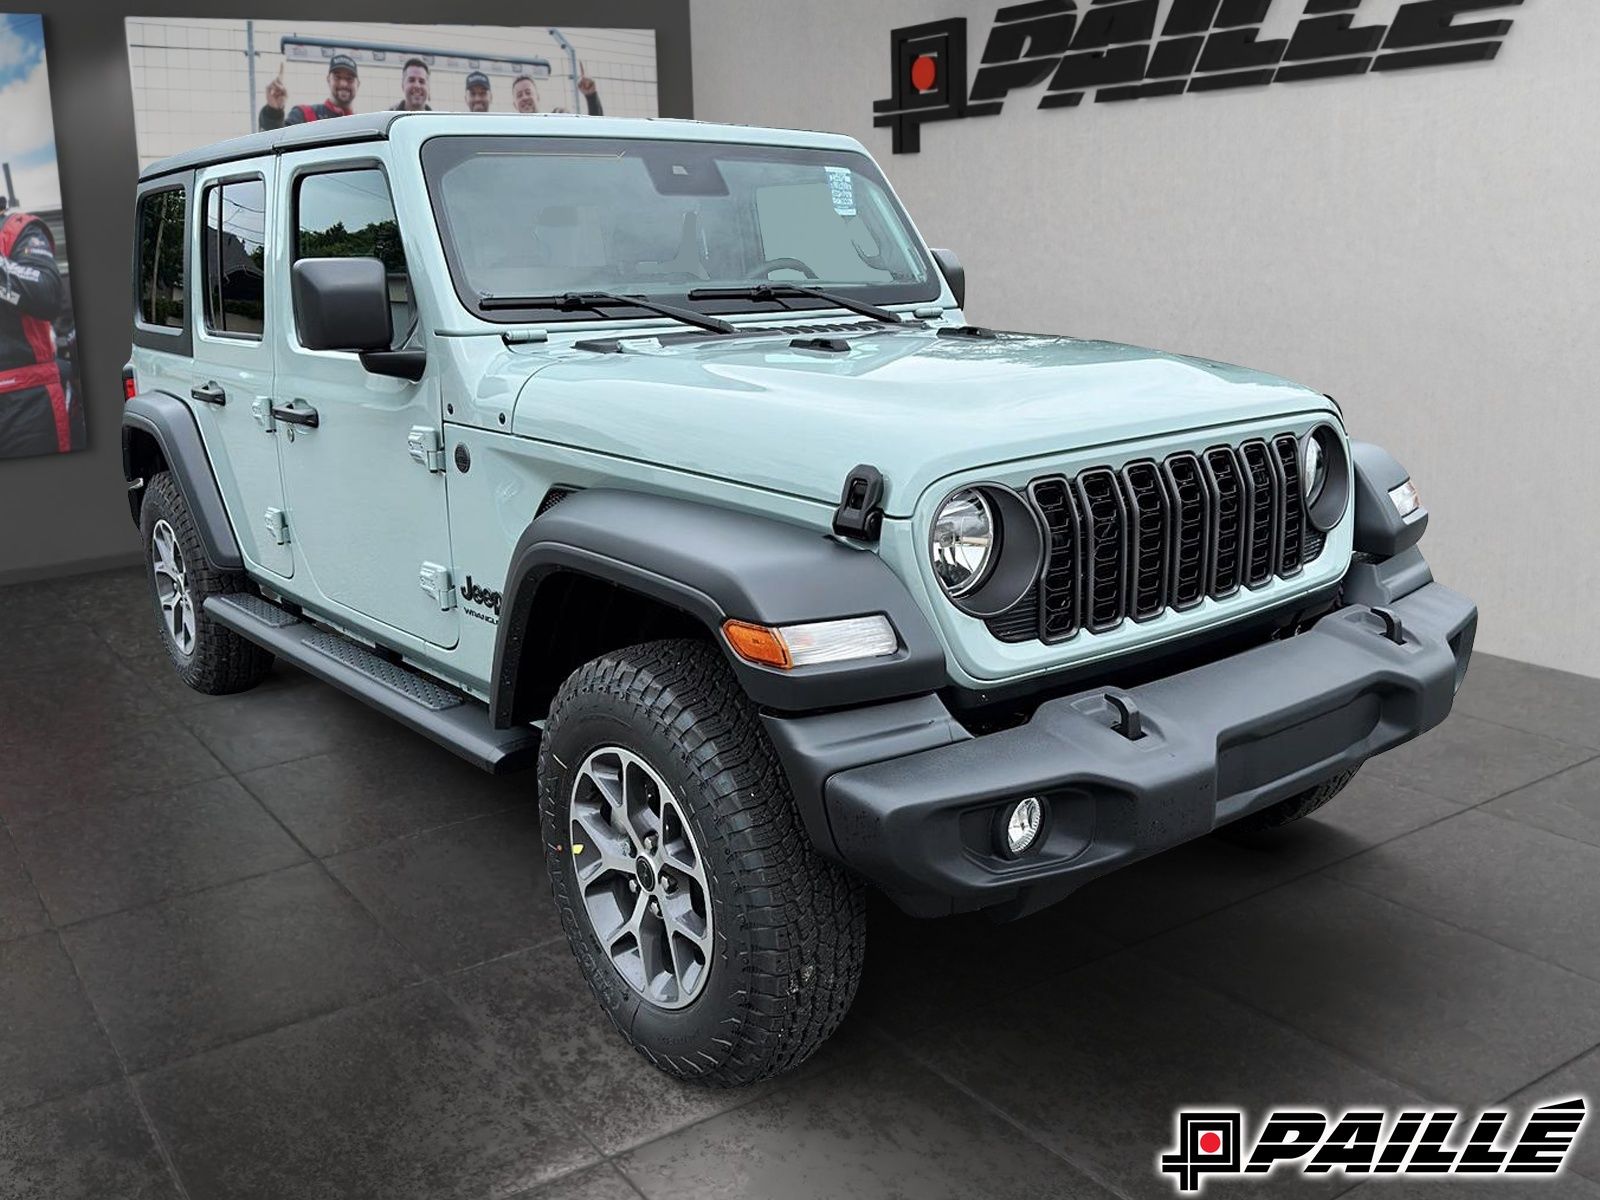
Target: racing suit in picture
[33, 396]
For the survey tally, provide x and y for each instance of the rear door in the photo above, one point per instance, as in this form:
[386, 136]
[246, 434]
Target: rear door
[231, 388]
[366, 481]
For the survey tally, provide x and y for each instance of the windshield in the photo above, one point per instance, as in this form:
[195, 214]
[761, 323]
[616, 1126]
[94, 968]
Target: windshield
[537, 217]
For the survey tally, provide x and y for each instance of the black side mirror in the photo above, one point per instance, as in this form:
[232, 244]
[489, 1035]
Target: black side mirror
[954, 274]
[342, 304]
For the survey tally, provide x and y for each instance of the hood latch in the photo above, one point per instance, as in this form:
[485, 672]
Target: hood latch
[860, 511]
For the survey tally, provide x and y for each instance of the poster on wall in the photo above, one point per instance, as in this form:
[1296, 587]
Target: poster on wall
[200, 81]
[41, 409]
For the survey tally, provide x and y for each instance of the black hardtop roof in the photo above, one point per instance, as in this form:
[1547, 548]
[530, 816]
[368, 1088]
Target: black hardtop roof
[364, 127]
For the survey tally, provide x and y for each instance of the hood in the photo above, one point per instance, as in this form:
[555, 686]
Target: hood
[913, 404]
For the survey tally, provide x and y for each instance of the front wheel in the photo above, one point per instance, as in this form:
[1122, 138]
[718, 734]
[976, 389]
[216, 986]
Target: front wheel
[718, 941]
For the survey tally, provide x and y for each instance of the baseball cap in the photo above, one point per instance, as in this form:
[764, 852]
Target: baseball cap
[477, 79]
[343, 62]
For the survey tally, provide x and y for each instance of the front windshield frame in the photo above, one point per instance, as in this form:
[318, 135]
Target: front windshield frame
[440, 153]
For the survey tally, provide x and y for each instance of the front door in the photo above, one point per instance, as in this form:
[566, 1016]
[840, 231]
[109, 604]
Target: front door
[367, 516]
[231, 387]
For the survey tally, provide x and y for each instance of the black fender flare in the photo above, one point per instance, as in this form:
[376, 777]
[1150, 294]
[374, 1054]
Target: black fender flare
[1380, 530]
[714, 564]
[168, 420]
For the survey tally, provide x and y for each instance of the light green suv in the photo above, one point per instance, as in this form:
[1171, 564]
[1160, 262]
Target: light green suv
[659, 457]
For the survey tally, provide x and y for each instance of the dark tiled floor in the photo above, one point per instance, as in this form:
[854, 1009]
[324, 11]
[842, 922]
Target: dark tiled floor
[271, 946]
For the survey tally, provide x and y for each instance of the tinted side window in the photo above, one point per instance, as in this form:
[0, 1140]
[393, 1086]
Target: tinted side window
[348, 214]
[161, 258]
[233, 254]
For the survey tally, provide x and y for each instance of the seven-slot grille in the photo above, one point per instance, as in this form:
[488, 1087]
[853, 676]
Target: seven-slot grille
[1130, 544]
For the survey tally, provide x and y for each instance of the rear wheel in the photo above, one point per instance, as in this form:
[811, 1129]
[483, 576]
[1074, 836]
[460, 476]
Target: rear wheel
[718, 941]
[1295, 808]
[209, 657]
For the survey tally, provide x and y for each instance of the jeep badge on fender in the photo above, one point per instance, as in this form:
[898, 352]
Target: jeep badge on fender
[804, 584]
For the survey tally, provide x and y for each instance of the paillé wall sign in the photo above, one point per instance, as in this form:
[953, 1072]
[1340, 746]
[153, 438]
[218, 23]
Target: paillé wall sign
[1113, 50]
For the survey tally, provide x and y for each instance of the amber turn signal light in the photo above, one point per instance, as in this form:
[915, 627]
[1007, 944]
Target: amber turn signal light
[757, 644]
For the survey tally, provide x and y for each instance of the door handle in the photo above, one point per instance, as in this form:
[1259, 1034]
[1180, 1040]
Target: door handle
[212, 393]
[299, 413]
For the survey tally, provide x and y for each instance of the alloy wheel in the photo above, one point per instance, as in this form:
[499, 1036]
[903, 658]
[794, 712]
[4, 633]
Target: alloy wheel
[172, 587]
[641, 877]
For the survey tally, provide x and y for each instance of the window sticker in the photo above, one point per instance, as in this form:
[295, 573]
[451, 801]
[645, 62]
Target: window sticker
[842, 189]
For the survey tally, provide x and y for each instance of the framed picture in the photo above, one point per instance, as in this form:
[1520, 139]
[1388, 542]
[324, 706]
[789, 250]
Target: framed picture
[41, 407]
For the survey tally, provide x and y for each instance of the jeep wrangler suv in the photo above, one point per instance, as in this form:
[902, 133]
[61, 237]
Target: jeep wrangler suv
[659, 457]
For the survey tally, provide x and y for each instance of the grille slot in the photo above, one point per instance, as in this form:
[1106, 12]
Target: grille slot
[1291, 551]
[1105, 527]
[1058, 603]
[1191, 548]
[1264, 499]
[1150, 524]
[1153, 536]
[1228, 518]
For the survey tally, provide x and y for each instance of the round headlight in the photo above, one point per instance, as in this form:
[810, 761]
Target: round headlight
[1324, 477]
[963, 541]
[1313, 470]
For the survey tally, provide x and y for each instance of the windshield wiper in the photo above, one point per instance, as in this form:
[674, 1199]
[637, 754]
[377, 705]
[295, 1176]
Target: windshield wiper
[599, 302]
[778, 291]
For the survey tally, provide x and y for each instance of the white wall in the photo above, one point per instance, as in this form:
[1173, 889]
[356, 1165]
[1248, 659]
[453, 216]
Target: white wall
[1421, 244]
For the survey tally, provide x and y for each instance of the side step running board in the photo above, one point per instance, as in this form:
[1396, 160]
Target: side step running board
[455, 721]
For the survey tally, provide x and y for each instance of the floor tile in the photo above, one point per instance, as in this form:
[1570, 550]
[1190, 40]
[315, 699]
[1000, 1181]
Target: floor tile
[458, 895]
[104, 858]
[1568, 803]
[131, 627]
[358, 795]
[877, 1126]
[1469, 761]
[162, 687]
[61, 645]
[179, 977]
[602, 1182]
[538, 1005]
[50, 1043]
[1556, 704]
[398, 1099]
[1094, 1063]
[919, 972]
[32, 605]
[94, 596]
[32, 702]
[20, 910]
[92, 1146]
[1579, 1078]
[279, 721]
[1532, 890]
[1201, 877]
[1457, 1017]
[95, 763]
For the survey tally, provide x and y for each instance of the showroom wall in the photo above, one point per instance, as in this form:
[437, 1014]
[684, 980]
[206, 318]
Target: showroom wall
[61, 514]
[1419, 243]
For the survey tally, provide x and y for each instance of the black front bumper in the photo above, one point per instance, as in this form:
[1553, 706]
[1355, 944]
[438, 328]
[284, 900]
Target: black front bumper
[1218, 742]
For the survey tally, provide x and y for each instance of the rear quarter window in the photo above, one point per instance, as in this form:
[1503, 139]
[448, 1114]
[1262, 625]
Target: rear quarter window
[159, 270]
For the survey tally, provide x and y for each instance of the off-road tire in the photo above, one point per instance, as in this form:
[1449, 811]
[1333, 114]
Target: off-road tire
[1295, 808]
[221, 661]
[788, 926]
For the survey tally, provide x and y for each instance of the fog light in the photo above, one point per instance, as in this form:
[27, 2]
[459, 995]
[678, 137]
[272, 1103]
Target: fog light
[1022, 823]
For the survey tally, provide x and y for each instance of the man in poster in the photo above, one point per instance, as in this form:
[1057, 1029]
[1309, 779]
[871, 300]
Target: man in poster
[34, 416]
[343, 84]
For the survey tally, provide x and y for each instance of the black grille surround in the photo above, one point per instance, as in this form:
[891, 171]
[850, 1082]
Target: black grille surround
[1153, 536]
